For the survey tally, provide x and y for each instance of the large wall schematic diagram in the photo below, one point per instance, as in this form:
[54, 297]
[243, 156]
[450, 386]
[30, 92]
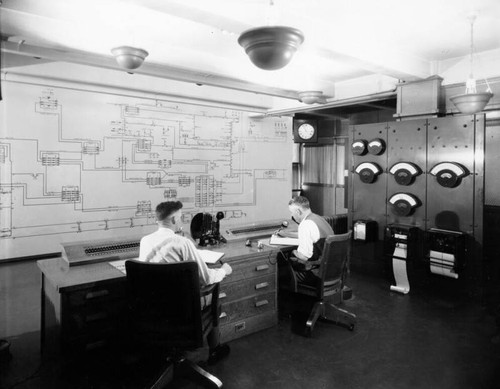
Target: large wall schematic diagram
[80, 165]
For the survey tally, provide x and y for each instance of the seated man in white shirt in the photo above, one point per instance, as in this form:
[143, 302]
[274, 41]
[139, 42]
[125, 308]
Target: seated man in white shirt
[164, 245]
[312, 232]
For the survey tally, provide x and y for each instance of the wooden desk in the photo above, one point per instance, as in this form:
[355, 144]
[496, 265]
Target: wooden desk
[83, 306]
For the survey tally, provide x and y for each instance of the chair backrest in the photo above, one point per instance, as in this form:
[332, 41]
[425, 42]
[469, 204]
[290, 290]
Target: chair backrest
[164, 304]
[334, 261]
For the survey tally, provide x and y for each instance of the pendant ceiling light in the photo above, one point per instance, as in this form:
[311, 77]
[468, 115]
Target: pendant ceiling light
[471, 101]
[129, 57]
[312, 97]
[271, 47]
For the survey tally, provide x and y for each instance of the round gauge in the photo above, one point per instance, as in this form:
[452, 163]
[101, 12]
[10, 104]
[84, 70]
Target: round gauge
[376, 146]
[358, 147]
[306, 131]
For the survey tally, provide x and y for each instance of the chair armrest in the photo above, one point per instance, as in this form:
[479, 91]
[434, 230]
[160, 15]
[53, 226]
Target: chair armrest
[208, 289]
[212, 289]
[301, 264]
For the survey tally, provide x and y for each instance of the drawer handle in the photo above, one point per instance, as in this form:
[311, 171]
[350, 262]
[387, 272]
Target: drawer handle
[222, 315]
[96, 294]
[96, 344]
[96, 316]
[261, 303]
[262, 267]
[262, 285]
[222, 295]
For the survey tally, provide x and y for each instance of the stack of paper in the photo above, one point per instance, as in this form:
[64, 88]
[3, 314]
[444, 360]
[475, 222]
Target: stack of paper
[279, 240]
[210, 256]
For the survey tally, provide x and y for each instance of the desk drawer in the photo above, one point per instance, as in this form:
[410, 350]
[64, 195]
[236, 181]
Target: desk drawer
[96, 294]
[254, 286]
[247, 326]
[239, 309]
[89, 342]
[249, 269]
[97, 316]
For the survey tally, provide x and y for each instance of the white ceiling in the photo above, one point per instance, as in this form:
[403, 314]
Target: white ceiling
[196, 40]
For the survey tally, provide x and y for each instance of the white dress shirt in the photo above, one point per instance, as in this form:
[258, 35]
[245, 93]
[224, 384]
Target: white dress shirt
[164, 245]
[308, 235]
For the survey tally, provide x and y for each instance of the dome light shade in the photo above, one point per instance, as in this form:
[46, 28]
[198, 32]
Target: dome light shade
[311, 97]
[271, 48]
[129, 57]
[470, 103]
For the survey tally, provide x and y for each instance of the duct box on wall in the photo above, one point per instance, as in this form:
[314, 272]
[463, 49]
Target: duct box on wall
[423, 98]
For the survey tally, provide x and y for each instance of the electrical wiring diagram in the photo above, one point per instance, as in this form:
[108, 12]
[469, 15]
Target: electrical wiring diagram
[80, 164]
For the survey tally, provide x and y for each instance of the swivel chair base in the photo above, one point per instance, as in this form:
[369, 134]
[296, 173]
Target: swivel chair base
[182, 367]
[331, 313]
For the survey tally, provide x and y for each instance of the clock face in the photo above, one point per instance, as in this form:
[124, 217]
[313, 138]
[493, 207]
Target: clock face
[306, 131]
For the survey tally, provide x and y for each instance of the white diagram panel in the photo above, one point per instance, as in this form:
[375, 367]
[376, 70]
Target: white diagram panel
[78, 165]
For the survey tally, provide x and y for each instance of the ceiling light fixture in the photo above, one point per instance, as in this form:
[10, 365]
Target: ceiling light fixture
[129, 57]
[471, 101]
[311, 97]
[271, 47]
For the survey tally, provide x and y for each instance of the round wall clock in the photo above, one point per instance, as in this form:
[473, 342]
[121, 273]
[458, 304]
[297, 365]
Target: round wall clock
[305, 131]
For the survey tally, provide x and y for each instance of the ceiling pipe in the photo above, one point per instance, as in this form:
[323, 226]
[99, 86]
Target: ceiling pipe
[334, 104]
[148, 69]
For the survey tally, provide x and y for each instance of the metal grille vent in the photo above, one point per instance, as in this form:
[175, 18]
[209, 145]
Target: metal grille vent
[246, 230]
[112, 248]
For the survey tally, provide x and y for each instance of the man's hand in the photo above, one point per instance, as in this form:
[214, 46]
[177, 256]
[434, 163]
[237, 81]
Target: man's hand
[278, 232]
[227, 268]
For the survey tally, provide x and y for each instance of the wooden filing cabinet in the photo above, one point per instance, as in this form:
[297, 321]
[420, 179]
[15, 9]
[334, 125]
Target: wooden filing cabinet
[91, 316]
[248, 297]
[82, 307]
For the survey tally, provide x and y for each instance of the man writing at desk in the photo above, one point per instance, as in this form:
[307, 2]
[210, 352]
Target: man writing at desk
[164, 245]
[312, 231]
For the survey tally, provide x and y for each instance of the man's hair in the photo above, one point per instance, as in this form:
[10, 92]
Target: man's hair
[167, 208]
[300, 201]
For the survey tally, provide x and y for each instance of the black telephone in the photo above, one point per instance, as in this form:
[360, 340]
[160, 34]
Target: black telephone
[206, 228]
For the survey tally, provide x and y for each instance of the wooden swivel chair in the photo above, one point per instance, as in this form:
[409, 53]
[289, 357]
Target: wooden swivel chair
[328, 289]
[165, 315]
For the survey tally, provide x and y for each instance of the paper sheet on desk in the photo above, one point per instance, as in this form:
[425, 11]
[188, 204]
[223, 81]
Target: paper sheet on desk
[283, 241]
[210, 256]
[119, 265]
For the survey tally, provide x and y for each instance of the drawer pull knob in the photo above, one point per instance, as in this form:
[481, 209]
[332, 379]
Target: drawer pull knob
[222, 315]
[262, 285]
[262, 267]
[96, 344]
[261, 303]
[222, 295]
[96, 316]
[96, 294]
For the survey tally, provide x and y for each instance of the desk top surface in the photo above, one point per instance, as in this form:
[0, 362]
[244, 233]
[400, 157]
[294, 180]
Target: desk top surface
[57, 271]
